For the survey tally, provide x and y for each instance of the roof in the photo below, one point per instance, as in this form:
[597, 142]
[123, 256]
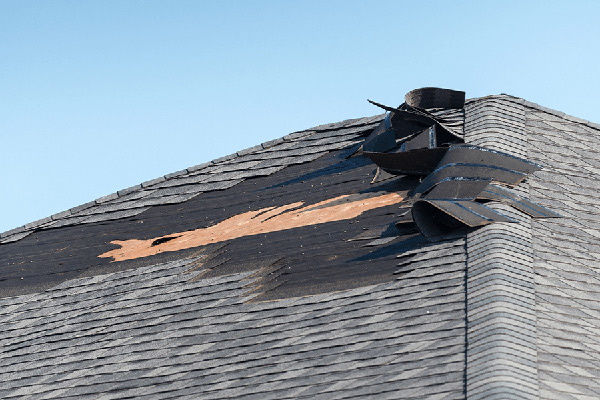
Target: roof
[287, 271]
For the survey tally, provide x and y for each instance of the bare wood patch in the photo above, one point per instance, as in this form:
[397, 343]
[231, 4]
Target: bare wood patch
[266, 220]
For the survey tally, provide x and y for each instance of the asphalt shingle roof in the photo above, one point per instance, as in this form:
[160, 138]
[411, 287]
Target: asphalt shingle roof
[349, 307]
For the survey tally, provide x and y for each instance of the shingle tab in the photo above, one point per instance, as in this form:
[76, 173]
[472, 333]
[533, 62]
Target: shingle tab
[153, 182]
[106, 198]
[177, 173]
[131, 189]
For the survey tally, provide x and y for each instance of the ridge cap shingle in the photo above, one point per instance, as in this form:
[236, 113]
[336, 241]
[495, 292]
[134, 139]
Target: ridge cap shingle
[530, 104]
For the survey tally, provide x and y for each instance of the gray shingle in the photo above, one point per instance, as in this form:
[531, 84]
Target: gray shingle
[153, 182]
[176, 174]
[200, 166]
[15, 237]
[272, 143]
[75, 210]
[250, 150]
[106, 198]
[14, 231]
[224, 158]
[131, 189]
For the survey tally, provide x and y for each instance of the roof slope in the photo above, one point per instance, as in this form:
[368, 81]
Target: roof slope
[532, 290]
[280, 272]
[154, 333]
[204, 321]
[566, 256]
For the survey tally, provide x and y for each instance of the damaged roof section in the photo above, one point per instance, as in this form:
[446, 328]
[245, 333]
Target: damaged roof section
[314, 227]
[311, 181]
[315, 192]
[457, 179]
[314, 281]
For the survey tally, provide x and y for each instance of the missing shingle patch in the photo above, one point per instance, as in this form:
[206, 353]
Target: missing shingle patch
[266, 220]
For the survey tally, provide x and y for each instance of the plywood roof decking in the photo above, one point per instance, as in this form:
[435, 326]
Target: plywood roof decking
[256, 222]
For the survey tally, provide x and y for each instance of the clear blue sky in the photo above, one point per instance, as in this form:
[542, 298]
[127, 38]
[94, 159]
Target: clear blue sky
[97, 96]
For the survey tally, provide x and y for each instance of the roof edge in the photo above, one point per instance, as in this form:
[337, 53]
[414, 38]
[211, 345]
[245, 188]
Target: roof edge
[21, 232]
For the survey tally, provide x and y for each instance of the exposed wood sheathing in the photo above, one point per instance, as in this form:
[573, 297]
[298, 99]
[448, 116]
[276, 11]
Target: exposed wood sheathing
[266, 220]
[52, 256]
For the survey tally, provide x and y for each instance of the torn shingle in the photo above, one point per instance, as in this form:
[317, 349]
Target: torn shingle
[413, 141]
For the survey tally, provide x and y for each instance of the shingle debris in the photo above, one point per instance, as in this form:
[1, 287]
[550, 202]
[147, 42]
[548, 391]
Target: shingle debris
[414, 141]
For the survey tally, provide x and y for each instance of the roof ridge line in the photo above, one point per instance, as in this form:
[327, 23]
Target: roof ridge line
[530, 104]
[24, 230]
